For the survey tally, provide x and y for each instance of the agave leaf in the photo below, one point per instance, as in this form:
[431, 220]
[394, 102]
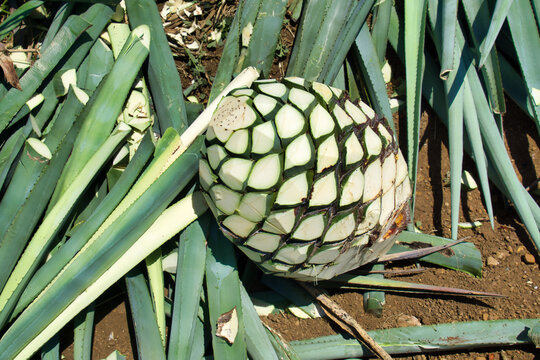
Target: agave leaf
[415, 13]
[293, 293]
[46, 273]
[346, 281]
[59, 19]
[14, 99]
[265, 36]
[375, 300]
[223, 288]
[188, 286]
[14, 19]
[499, 16]
[447, 38]
[454, 97]
[258, 344]
[147, 333]
[478, 18]
[370, 68]
[84, 329]
[379, 33]
[464, 256]
[527, 45]
[163, 78]
[463, 336]
[51, 350]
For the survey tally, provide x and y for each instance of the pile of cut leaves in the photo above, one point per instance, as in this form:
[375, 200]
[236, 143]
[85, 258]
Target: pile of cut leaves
[99, 153]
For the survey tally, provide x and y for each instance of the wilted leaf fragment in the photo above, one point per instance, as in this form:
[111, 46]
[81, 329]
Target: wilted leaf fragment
[40, 148]
[9, 71]
[227, 326]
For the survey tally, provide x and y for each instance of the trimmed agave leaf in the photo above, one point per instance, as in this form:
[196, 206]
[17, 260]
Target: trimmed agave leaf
[14, 99]
[258, 344]
[100, 116]
[51, 350]
[157, 284]
[35, 250]
[188, 286]
[447, 37]
[374, 300]
[527, 46]
[463, 336]
[223, 288]
[499, 16]
[163, 78]
[366, 61]
[294, 294]
[83, 325]
[15, 18]
[81, 234]
[454, 97]
[464, 256]
[415, 12]
[478, 18]
[379, 32]
[59, 19]
[265, 36]
[147, 333]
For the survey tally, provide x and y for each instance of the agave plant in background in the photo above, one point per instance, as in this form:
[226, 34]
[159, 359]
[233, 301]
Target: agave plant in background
[308, 181]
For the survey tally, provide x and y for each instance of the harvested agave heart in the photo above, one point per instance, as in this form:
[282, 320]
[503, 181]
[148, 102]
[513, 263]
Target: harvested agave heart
[307, 183]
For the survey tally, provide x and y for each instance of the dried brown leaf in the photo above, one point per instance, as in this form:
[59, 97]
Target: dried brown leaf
[9, 71]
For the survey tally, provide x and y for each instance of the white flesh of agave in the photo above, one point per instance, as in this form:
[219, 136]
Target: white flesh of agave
[234, 113]
[356, 114]
[310, 228]
[225, 199]
[371, 217]
[324, 190]
[253, 206]
[327, 154]
[373, 142]
[342, 117]
[238, 142]
[273, 89]
[206, 174]
[246, 92]
[297, 80]
[360, 240]
[372, 183]
[401, 169]
[387, 205]
[280, 222]
[340, 229]
[265, 173]
[353, 189]
[301, 98]
[264, 241]
[367, 110]
[299, 152]
[234, 172]
[293, 191]
[403, 192]
[216, 153]
[265, 104]
[289, 122]
[264, 137]
[388, 173]
[337, 92]
[293, 254]
[239, 225]
[354, 152]
[321, 122]
[324, 91]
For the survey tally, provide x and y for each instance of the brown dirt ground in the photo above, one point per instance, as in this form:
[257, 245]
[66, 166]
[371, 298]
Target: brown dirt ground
[507, 243]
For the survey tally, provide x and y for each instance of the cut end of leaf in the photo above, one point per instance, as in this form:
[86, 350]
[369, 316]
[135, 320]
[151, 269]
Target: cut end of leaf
[227, 326]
